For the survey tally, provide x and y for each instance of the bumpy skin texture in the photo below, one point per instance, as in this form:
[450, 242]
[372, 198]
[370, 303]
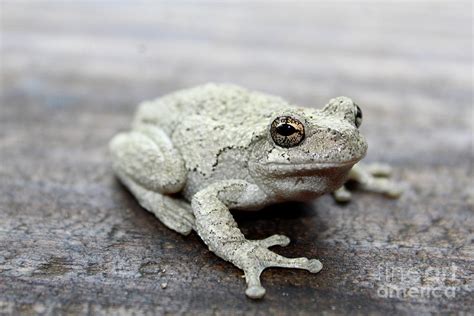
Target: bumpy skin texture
[194, 154]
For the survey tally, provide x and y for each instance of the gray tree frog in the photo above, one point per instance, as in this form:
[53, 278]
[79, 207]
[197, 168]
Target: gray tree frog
[196, 153]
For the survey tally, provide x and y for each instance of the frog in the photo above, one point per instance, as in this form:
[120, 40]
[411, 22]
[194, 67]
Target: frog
[194, 155]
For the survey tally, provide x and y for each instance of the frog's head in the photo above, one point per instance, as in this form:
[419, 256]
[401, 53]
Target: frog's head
[302, 153]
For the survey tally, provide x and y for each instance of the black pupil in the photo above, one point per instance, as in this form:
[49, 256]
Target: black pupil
[285, 130]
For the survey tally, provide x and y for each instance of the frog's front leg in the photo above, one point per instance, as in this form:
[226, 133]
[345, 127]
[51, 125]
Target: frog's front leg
[371, 178]
[219, 231]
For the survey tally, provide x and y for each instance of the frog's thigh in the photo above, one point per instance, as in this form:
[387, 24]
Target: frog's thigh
[147, 163]
[148, 156]
[174, 213]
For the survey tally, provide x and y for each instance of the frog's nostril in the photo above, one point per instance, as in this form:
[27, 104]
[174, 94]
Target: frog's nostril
[358, 116]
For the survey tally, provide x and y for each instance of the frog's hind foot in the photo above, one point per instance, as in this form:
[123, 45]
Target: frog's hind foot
[382, 186]
[370, 178]
[260, 258]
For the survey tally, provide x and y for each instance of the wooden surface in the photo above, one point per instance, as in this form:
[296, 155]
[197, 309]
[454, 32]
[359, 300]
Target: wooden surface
[74, 241]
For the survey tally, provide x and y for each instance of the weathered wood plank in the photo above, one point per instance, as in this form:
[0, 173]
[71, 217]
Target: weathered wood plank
[72, 240]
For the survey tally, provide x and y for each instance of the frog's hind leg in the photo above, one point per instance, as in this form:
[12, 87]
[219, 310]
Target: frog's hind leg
[171, 211]
[147, 163]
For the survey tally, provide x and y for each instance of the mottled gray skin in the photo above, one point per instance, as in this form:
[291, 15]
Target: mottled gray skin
[194, 154]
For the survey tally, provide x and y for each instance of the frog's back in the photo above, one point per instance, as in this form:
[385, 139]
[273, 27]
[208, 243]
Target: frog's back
[226, 103]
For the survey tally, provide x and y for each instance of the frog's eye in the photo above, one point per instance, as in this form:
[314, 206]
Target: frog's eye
[358, 116]
[287, 131]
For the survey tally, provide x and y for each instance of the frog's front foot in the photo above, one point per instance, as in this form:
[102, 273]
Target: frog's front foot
[219, 231]
[370, 178]
[254, 257]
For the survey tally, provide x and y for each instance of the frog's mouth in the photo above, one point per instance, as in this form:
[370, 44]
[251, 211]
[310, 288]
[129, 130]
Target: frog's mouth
[306, 168]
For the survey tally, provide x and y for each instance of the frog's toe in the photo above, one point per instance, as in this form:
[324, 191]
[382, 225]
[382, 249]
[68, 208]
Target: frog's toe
[275, 240]
[314, 266]
[384, 186]
[394, 192]
[255, 292]
[379, 170]
[311, 265]
[342, 195]
[254, 289]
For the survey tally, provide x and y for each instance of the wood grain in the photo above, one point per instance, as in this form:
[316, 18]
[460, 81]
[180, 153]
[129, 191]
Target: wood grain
[73, 241]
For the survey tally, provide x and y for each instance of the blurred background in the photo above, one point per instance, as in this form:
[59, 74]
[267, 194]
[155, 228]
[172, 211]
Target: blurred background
[72, 73]
[407, 63]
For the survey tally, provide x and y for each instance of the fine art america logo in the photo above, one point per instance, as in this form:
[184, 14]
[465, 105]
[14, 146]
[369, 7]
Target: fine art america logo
[429, 283]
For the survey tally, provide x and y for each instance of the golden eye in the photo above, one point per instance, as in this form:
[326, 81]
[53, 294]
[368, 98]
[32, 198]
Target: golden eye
[287, 131]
